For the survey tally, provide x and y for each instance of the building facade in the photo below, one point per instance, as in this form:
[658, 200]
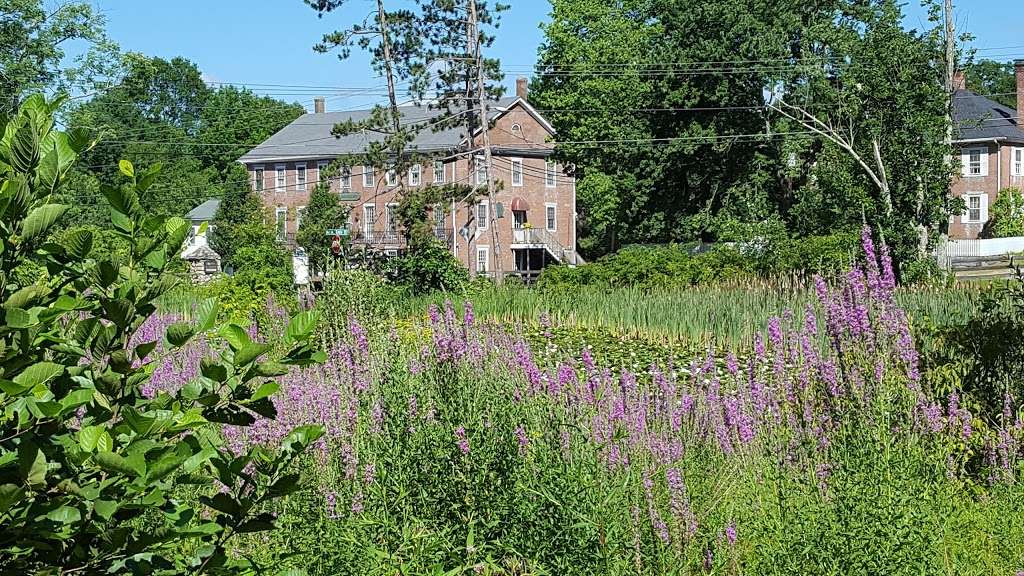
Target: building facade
[990, 142]
[532, 223]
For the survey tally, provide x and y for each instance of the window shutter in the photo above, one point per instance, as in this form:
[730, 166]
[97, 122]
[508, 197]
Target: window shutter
[967, 211]
[984, 162]
[984, 208]
[965, 162]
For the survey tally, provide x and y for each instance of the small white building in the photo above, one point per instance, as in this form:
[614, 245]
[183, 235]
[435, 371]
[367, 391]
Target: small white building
[204, 263]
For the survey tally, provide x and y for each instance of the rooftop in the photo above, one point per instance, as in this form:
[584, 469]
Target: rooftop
[204, 212]
[978, 118]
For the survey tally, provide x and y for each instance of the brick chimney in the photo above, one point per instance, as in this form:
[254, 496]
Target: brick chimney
[959, 80]
[319, 105]
[522, 87]
[1018, 67]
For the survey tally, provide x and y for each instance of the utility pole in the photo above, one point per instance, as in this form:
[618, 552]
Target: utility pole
[950, 92]
[473, 43]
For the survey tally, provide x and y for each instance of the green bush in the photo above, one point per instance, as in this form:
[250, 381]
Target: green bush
[92, 469]
[1006, 215]
[429, 267]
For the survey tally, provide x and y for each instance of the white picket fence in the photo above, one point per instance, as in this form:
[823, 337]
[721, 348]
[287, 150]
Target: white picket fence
[983, 258]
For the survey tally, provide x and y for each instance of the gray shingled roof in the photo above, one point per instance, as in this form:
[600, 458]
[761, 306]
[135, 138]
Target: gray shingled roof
[204, 212]
[978, 118]
[309, 136]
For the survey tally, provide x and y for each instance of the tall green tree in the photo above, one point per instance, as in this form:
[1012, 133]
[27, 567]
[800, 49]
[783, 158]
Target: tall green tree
[996, 80]
[324, 210]
[33, 38]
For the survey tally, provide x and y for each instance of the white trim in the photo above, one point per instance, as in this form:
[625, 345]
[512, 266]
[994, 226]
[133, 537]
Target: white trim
[280, 172]
[1017, 161]
[391, 220]
[418, 173]
[479, 176]
[486, 251]
[554, 218]
[965, 159]
[300, 185]
[513, 162]
[391, 177]
[298, 216]
[281, 226]
[550, 174]
[368, 176]
[262, 179]
[982, 208]
[368, 222]
[482, 224]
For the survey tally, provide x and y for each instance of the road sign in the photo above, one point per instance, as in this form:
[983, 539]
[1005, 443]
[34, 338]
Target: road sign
[343, 232]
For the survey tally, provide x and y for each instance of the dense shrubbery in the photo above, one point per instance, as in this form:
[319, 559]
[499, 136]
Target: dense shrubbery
[687, 265]
[1006, 215]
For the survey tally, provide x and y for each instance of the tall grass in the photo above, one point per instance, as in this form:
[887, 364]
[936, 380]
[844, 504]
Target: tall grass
[721, 315]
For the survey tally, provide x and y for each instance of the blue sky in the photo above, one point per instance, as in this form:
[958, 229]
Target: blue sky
[231, 41]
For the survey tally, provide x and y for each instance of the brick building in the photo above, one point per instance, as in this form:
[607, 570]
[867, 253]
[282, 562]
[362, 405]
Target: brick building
[990, 140]
[533, 222]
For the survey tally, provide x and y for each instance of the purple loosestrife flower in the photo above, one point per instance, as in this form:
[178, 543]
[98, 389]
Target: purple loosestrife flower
[357, 502]
[775, 331]
[461, 440]
[467, 314]
[331, 501]
[730, 533]
[369, 473]
[521, 439]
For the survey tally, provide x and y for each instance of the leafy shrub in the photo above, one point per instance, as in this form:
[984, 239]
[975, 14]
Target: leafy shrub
[364, 295]
[429, 267]
[1006, 215]
[92, 469]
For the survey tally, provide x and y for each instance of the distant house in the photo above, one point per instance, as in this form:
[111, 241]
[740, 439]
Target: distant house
[535, 210]
[203, 261]
[990, 140]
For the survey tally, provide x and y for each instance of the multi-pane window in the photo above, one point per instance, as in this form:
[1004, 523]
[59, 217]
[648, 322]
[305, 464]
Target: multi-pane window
[481, 215]
[482, 259]
[438, 172]
[517, 171]
[346, 179]
[368, 176]
[258, 179]
[481, 170]
[974, 208]
[282, 178]
[549, 174]
[281, 221]
[392, 220]
[438, 220]
[369, 215]
[300, 176]
[415, 171]
[550, 220]
[1018, 162]
[975, 162]
[392, 177]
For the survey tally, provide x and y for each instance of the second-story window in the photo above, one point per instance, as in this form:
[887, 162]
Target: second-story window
[414, 175]
[438, 172]
[482, 215]
[1018, 162]
[346, 179]
[300, 176]
[517, 171]
[392, 177]
[369, 216]
[550, 220]
[975, 161]
[368, 176]
[550, 179]
[481, 170]
[257, 183]
[282, 178]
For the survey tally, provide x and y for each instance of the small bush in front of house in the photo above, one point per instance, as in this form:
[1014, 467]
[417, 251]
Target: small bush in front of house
[1006, 215]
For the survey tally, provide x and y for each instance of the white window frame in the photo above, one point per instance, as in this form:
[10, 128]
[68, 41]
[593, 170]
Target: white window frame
[482, 223]
[281, 224]
[439, 174]
[551, 224]
[391, 220]
[298, 216]
[368, 176]
[300, 182]
[480, 169]
[369, 217]
[516, 171]
[259, 178]
[1017, 161]
[346, 179]
[550, 174]
[486, 252]
[982, 162]
[439, 218]
[391, 177]
[280, 177]
[982, 208]
[415, 175]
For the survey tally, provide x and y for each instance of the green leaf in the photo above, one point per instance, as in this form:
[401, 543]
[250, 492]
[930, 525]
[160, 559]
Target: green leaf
[267, 389]
[235, 336]
[39, 220]
[10, 495]
[302, 436]
[301, 325]
[179, 333]
[271, 369]
[32, 464]
[17, 318]
[222, 503]
[114, 463]
[65, 515]
[89, 436]
[143, 350]
[105, 508]
[77, 244]
[126, 168]
[206, 314]
[285, 485]
[250, 352]
[76, 398]
[38, 374]
[105, 443]
[260, 523]
[25, 148]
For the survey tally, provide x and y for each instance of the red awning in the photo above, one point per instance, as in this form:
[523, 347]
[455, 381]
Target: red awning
[519, 205]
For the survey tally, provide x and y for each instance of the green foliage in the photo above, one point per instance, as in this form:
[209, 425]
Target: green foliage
[91, 470]
[1006, 215]
[324, 210]
[994, 80]
[428, 267]
[363, 295]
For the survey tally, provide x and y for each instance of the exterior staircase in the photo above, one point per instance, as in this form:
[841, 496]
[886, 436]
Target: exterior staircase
[542, 238]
